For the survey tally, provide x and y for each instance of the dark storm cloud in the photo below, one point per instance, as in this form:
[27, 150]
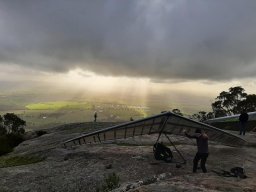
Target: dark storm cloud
[172, 39]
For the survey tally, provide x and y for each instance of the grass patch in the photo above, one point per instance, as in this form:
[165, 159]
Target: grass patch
[111, 182]
[19, 160]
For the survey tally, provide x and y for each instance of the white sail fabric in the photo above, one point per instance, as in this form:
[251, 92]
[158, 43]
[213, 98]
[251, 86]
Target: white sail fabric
[252, 116]
[165, 123]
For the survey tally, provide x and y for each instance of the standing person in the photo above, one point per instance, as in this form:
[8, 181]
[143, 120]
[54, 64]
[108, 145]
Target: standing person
[243, 118]
[95, 116]
[202, 149]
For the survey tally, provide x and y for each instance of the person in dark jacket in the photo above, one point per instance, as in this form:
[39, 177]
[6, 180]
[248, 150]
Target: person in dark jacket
[95, 116]
[202, 149]
[243, 118]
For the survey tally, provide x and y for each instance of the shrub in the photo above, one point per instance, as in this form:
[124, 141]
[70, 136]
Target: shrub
[2, 127]
[14, 124]
[40, 133]
[11, 131]
[4, 145]
[111, 182]
[8, 142]
[2, 130]
[14, 139]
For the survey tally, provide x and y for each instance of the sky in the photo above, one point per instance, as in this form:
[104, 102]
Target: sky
[171, 48]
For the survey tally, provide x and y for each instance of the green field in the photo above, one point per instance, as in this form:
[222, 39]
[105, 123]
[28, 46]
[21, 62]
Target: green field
[59, 105]
[41, 110]
[49, 114]
[41, 115]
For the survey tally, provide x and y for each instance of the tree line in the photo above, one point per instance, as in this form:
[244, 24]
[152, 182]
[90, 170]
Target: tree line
[233, 101]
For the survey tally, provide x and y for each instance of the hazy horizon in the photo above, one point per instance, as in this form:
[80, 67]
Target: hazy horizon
[168, 53]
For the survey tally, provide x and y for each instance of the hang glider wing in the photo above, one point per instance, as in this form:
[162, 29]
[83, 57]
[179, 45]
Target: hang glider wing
[252, 116]
[165, 123]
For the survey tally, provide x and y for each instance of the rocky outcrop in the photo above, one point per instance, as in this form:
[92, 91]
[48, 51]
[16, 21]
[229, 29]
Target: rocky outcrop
[84, 168]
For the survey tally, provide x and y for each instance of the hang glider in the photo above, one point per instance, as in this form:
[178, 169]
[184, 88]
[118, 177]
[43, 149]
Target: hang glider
[252, 116]
[165, 123]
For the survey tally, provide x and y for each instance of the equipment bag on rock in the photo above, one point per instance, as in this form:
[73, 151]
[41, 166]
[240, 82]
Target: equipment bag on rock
[161, 152]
